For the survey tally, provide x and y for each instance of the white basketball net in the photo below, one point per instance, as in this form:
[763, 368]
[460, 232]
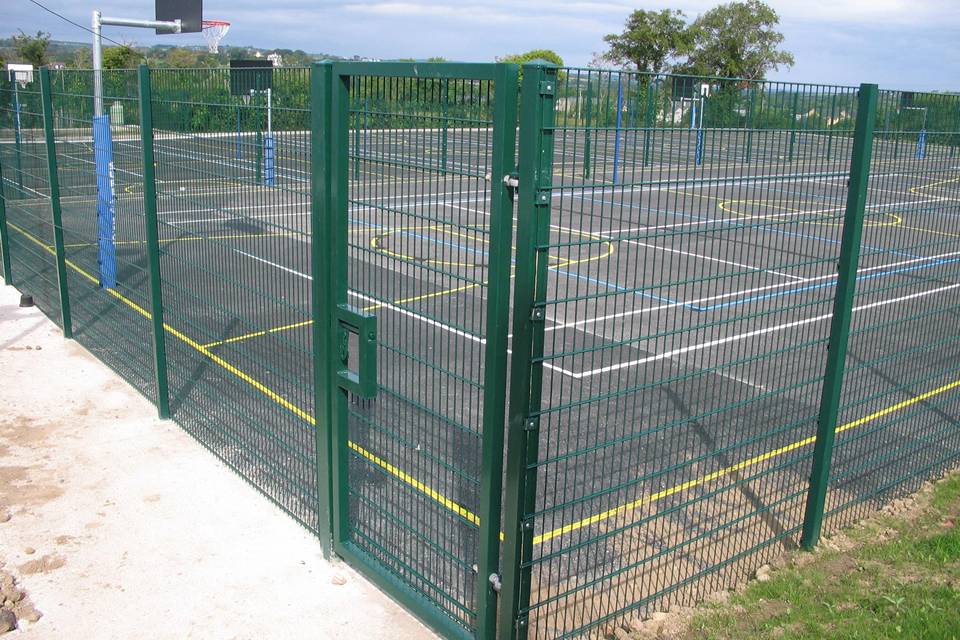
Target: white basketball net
[213, 33]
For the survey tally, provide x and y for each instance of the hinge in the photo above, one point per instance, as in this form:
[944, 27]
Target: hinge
[548, 87]
[543, 197]
[538, 314]
[495, 582]
[521, 622]
[530, 424]
[512, 180]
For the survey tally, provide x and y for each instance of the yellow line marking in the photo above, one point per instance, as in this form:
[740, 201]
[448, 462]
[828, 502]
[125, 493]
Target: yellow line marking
[253, 382]
[797, 214]
[426, 490]
[455, 507]
[938, 233]
[236, 236]
[690, 484]
[257, 334]
[916, 190]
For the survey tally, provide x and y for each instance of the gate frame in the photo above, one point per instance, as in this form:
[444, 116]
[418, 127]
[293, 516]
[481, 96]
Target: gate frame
[330, 87]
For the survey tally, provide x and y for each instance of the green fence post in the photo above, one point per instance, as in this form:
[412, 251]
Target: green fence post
[4, 236]
[151, 228]
[321, 203]
[495, 356]
[793, 123]
[533, 235]
[588, 122]
[56, 212]
[842, 311]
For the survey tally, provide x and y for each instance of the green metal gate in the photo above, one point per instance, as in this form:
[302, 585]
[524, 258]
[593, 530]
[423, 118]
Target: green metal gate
[414, 221]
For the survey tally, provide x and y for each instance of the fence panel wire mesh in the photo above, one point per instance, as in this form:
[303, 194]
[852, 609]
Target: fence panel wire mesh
[26, 191]
[903, 349]
[688, 270]
[423, 250]
[690, 282]
[235, 270]
[105, 324]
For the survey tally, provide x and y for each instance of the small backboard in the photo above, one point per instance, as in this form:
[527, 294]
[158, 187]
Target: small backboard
[188, 12]
[684, 87]
[250, 76]
[22, 74]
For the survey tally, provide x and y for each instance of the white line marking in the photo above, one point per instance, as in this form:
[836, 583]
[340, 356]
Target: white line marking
[751, 334]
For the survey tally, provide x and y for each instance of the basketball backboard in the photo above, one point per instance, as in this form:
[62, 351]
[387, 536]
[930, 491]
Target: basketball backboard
[188, 12]
[20, 73]
[250, 75]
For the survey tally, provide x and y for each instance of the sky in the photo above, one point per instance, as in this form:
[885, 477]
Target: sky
[899, 44]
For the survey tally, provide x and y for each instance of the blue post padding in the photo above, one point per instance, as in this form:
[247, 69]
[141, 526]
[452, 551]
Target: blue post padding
[616, 141]
[922, 145]
[693, 115]
[106, 224]
[269, 173]
[699, 146]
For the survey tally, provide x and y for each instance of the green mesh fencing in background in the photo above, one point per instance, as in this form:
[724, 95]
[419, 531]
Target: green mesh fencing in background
[539, 351]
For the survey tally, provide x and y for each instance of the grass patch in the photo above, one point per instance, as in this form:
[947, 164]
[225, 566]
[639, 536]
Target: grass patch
[901, 579]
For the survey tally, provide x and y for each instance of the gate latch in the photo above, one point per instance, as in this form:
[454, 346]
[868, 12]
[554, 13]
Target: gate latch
[495, 582]
[512, 181]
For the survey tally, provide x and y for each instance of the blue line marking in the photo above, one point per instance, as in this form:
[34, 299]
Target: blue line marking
[821, 285]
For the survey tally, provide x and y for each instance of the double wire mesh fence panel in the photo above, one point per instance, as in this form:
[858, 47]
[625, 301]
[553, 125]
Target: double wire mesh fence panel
[26, 193]
[683, 303]
[899, 408]
[233, 213]
[103, 229]
[674, 270]
[631, 122]
[428, 233]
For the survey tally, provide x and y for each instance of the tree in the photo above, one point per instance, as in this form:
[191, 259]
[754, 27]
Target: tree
[535, 54]
[182, 58]
[122, 57]
[82, 58]
[650, 40]
[738, 40]
[33, 49]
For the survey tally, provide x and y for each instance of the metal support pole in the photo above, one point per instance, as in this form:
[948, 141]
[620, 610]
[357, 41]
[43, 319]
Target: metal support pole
[4, 234]
[321, 263]
[172, 26]
[793, 124]
[495, 350]
[588, 122]
[833, 111]
[750, 110]
[616, 139]
[446, 125]
[55, 210]
[538, 97]
[153, 244]
[97, 65]
[842, 311]
[17, 132]
[648, 121]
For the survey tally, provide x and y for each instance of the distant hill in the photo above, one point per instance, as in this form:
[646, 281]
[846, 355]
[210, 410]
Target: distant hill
[77, 54]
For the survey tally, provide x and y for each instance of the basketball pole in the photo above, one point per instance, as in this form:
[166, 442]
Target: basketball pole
[103, 146]
[172, 26]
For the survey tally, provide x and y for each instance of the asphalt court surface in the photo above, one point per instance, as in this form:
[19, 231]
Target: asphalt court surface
[700, 295]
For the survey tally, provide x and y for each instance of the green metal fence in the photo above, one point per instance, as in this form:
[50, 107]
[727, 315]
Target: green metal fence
[539, 353]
